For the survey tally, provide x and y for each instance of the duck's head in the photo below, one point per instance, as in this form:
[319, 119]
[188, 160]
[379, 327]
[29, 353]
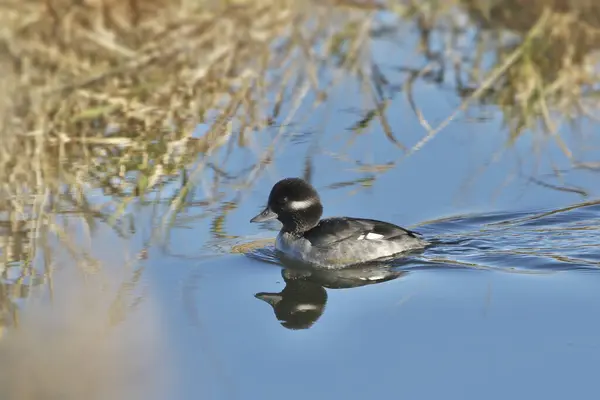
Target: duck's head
[295, 203]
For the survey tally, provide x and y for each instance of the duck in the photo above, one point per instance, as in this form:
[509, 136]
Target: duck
[336, 242]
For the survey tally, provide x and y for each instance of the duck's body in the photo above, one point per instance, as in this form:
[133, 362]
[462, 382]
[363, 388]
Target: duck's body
[330, 242]
[344, 241]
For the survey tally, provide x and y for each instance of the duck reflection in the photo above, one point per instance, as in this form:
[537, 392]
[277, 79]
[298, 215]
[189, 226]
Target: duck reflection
[299, 305]
[302, 302]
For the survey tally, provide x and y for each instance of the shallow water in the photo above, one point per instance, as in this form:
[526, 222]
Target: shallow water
[502, 305]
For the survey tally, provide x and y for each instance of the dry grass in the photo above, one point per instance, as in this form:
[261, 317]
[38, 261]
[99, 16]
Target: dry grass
[535, 60]
[103, 99]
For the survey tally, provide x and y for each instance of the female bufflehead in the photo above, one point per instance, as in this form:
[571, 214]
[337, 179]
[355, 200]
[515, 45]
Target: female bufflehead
[332, 242]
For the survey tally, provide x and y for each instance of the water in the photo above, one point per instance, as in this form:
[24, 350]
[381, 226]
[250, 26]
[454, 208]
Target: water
[503, 305]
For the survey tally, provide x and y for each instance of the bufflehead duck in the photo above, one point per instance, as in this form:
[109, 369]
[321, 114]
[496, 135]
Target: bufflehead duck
[331, 242]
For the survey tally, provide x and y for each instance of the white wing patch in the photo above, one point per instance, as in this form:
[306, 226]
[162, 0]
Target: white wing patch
[373, 236]
[301, 204]
[370, 236]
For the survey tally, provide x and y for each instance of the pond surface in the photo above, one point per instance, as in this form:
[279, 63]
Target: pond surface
[504, 305]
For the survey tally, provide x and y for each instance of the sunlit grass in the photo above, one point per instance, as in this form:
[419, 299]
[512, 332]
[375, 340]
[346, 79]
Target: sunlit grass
[536, 61]
[108, 104]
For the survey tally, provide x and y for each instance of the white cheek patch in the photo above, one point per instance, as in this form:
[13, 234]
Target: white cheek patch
[301, 204]
[306, 307]
[373, 236]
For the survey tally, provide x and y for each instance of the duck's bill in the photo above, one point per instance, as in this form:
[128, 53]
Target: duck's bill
[271, 298]
[266, 215]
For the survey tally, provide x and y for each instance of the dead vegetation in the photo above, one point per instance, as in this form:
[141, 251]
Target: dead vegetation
[535, 60]
[106, 102]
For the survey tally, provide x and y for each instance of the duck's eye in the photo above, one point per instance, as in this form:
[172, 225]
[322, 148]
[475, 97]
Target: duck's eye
[281, 202]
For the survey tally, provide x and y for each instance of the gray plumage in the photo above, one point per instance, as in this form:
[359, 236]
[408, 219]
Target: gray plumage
[331, 242]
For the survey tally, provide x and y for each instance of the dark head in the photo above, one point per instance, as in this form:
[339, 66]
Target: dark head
[295, 203]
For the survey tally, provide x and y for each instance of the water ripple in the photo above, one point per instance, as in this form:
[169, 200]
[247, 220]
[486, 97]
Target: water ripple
[523, 242]
[563, 239]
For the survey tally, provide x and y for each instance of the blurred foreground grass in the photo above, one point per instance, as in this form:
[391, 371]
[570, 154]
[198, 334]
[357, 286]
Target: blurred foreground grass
[109, 103]
[104, 101]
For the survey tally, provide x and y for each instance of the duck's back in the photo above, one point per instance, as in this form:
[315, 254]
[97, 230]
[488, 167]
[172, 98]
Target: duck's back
[336, 242]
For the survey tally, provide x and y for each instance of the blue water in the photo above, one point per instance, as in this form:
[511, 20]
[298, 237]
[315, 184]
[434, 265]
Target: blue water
[431, 333]
[503, 306]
